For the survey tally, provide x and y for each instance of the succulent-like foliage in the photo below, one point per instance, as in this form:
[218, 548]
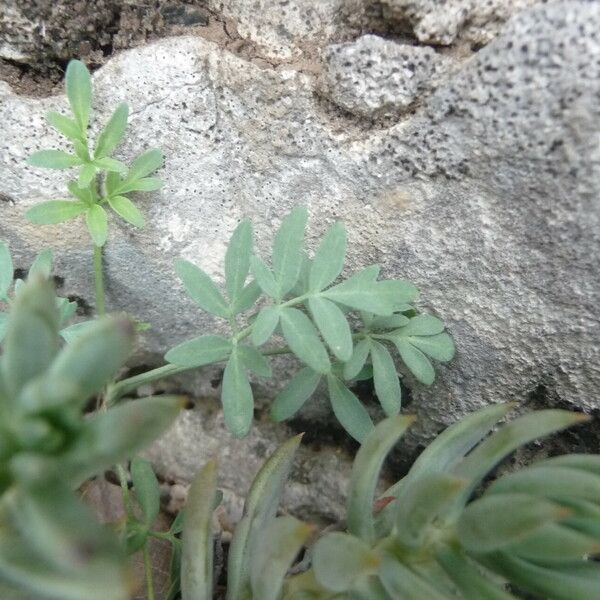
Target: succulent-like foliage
[50, 544]
[342, 331]
[434, 535]
[102, 180]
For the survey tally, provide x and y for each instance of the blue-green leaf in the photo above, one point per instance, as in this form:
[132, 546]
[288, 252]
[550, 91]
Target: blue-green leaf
[143, 165]
[247, 298]
[255, 361]
[303, 340]
[147, 490]
[87, 172]
[387, 385]
[42, 265]
[265, 324]
[440, 346]
[264, 277]
[357, 361]
[55, 211]
[333, 326]
[422, 325]
[113, 131]
[348, 410]
[329, 258]
[237, 259]
[298, 390]
[203, 350]
[416, 361]
[126, 209]
[201, 288]
[236, 397]
[53, 159]
[97, 224]
[287, 249]
[68, 127]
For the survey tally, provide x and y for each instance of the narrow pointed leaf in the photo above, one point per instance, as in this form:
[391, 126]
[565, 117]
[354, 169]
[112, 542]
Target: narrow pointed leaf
[274, 555]
[416, 361]
[365, 474]
[398, 292]
[113, 132]
[236, 397]
[339, 559]
[298, 390]
[53, 159]
[237, 259]
[357, 361]
[287, 249]
[264, 277]
[126, 209]
[87, 173]
[143, 165]
[303, 339]
[260, 507]
[97, 224]
[589, 463]
[348, 410]
[82, 151]
[146, 488]
[79, 91]
[440, 346]
[147, 184]
[333, 326]
[265, 324]
[6, 269]
[201, 288]
[197, 546]
[68, 127]
[423, 325]
[329, 258]
[247, 298]
[496, 521]
[111, 165]
[386, 323]
[203, 350]
[54, 211]
[387, 384]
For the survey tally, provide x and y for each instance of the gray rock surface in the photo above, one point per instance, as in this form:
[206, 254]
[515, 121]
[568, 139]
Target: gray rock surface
[487, 197]
[375, 77]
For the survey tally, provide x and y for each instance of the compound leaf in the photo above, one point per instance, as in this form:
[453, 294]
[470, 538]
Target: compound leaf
[236, 396]
[201, 288]
[298, 390]
[333, 326]
[303, 339]
[203, 350]
[329, 258]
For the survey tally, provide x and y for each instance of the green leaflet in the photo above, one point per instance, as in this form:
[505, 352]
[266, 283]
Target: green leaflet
[254, 361]
[298, 390]
[416, 361]
[237, 260]
[53, 159]
[68, 127]
[201, 288]
[333, 326]
[303, 340]
[6, 270]
[264, 277]
[265, 324]
[110, 164]
[247, 298]
[143, 165]
[87, 173]
[387, 385]
[41, 266]
[365, 474]
[287, 249]
[236, 396]
[126, 209]
[79, 91]
[357, 361]
[329, 258]
[260, 507]
[348, 409]
[146, 184]
[203, 350]
[147, 490]
[439, 347]
[423, 325]
[340, 559]
[113, 131]
[54, 211]
[97, 224]
[197, 547]
[275, 551]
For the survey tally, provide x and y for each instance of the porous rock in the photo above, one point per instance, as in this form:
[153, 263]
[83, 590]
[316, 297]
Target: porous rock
[375, 77]
[486, 197]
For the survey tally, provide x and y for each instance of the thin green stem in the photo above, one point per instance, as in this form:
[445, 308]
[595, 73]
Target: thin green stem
[148, 571]
[99, 280]
[124, 483]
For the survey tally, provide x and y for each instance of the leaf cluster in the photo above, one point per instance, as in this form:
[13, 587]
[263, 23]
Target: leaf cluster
[102, 180]
[434, 534]
[343, 331]
[50, 543]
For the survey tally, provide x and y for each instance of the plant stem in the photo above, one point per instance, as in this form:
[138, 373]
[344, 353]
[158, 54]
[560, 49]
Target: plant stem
[99, 280]
[148, 571]
[123, 482]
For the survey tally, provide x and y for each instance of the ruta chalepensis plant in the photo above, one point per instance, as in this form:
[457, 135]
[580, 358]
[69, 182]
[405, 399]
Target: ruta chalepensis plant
[440, 533]
[50, 544]
[341, 330]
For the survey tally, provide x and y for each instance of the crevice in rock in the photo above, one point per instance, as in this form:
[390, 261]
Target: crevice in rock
[84, 308]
